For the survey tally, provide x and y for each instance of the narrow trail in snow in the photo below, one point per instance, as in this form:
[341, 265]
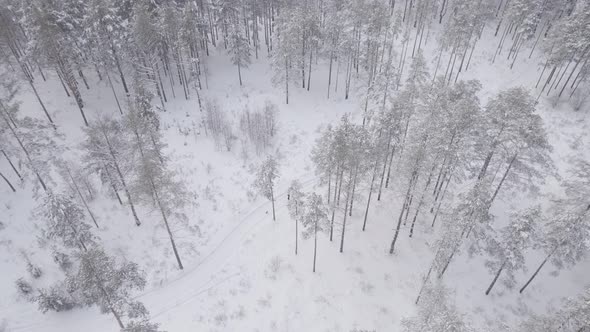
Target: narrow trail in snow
[204, 275]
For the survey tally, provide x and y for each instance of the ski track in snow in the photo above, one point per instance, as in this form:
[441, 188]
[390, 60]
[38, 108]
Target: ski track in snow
[160, 300]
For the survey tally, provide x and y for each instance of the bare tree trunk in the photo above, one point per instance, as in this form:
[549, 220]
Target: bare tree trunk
[296, 230]
[157, 197]
[83, 79]
[419, 205]
[504, 177]
[353, 191]
[120, 173]
[389, 167]
[441, 200]
[330, 72]
[239, 73]
[112, 182]
[27, 155]
[81, 196]
[41, 103]
[496, 277]
[426, 278]
[272, 199]
[309, 70]
[383, 172]
[538, 269]
[315, 243]
[338, 175]
[399, 220]
[370, 193]
[62, 83]
[114, 93]
[118, 64]
[8, 182]
[449, 260]
[12, 165]
[287, 81]
[345, 212]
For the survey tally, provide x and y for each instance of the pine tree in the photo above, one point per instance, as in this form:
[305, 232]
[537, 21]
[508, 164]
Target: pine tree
[266, 177]
[508, 252]
[103, 281]
[63, 222]
[436, 313]
[107, 148]
[296, 202]
[153, 180]
[565, 236]
[34, 139]
[239, 48]
[314, 220]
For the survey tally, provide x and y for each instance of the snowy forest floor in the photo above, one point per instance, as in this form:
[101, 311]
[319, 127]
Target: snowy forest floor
[241, 273]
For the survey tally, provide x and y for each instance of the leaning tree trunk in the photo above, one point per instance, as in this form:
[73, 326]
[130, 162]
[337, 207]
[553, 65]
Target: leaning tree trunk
[345, 212]
[12, 165]
[399, 221]
[272, 200]
[504, 177]
[120, 173]
[315, 243]
[537, 270]
[8, 182]
[27, 155]
[81, 196]
[496, 277]
[370, 194]
[161, 208]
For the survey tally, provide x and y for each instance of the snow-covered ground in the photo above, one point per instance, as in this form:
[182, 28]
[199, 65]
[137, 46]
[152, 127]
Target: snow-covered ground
[241, 273]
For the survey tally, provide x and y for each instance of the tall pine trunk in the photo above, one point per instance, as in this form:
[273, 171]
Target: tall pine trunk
[348, 189]
[81, 196]
[538, 269]
[161, 208]
[122, 179]
[315, 243]
[7, 182]
[370, 193]
[26, 152]
[272, 200]
[12, 165]
[496, 277]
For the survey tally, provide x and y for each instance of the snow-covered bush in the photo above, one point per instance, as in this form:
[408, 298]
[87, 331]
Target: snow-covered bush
[260, 126]
[141, 326]
[34, 270]
[274, 267]
[24, 287]
[56, 299]
[62, 260]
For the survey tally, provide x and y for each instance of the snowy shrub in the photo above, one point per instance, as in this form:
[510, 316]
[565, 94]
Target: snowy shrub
[274, 267]
[56, 299]
[141, 326]
[34, 270]
[260, 127]
[220, 319]
[2, 226]
[218, 126]
[240, 313]
[23, 287]
[62, 260]
[366, 287]
[265, 301]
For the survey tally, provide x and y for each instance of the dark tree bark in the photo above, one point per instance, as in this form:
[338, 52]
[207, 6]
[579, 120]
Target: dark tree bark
[8, 182]
[12, 165]
[538, 269]
[496, 277]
